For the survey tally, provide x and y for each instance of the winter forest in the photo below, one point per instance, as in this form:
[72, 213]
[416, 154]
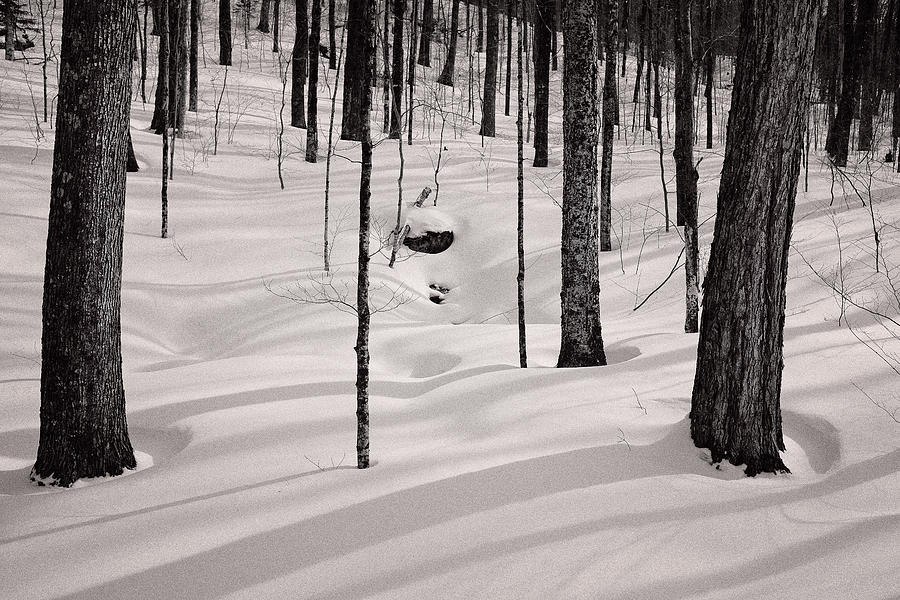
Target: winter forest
[432, 299]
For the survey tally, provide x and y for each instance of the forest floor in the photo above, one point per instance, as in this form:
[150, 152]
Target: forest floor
[489, 481]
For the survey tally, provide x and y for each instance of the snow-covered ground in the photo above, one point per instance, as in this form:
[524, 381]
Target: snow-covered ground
[490, 481]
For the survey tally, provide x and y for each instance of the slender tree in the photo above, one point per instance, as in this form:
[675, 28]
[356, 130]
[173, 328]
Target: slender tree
[224, 32]
[312, 121]
[332, 35]
[276, 24]
[735, 406]
[581, 343]
[195, 49]
[489, 93]
[396, 126]
[9, 16]
[610, 111]
[264, 8]
[543, 20]
[685, 172]
[300, 60]
[709, 65]
[83, 426]
[447, 74]
[520, 205]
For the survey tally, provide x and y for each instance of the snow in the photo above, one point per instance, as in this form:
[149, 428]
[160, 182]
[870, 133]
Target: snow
[427, 218]
[490, 481]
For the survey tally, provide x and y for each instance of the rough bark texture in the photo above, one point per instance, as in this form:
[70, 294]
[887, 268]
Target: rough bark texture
[264, 7]
[856, 52]
[195, 48]
[176, 29]
[399, 7]
[543, 21]
[489, 92]
[299, 61]
[332, 35]
[427, 30]
[581, 341]
[685, 173]
[520, 205]
[312, 117]
[276, 25]
[224, 32]
[362, 288]
[10, 24]
[83, 427]
[735, 409]
[357, 70]
[447, 74]
[610, 110]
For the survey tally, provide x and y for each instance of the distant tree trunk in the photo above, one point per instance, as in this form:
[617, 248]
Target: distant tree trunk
[856, 51]
[685, 172]
[480, 8]
[366, 22]
[709, 64]
[386, 67]
[396, 128]
[299, 61]
[447, 75]
[263, 24]
[312, 122]
[581, 337]
[131, 163]
[489, 93]
[83, 426]
[427, 29]
[225, 32]
[357, 73]
[624, 29]
[411, 71]
[509, 13]
[541, 52]
[610, 110]
[10, 30]
[554, 25]
[276, 23]
[520, 205]
[195, 46]
[735, 408]
[178, 13]
[332, 35]
[165, 109]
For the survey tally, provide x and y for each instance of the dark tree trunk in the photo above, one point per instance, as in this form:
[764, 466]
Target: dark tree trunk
[83, 427]
[543, 22]
[225, 32]
[195, 46]
[165, 54]
[610, 111]
[386, 68]
[299, 61]
[520, 204]
[411, 71]
[332, 35]
[447, 74]
[735, 409]
[424, 58]
[10, 18]
[263, 24]
[479, 47]
[131, 163]
[276, 23]
[399, 7]
[710, 67]
[509, 13]
[178, 14]
[624, 29]
[856, 52]
[554, 18]
[685, 172]
[357, 72]
[489, 93]
[312, 121]
[581, 343]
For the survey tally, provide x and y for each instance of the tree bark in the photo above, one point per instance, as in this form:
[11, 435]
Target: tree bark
[300, 60]
[709, 64]
[332, 35]
[509, 13]
[312, 121]
[10, 17]
[276, 24]
[83, 426]
[543, 20]
[610, 110]
[520, 205]
[225, 32]
[263, 24]
[447, 74]
[424, 58]
[195, 47]
[489, 93]
[581, 342]
[357, 72]
[735, 406]
[685, 172]
[399, 7]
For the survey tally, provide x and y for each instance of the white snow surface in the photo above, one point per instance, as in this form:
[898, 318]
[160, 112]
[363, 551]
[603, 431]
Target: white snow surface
[489, 481]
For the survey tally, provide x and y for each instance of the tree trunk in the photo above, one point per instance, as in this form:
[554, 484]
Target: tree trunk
[276, 23]
[299, 61]
[263, 24]
[424, 58]
[479, 47]
[411, 72]
[447, 75]
[367, 33]
[225, 32]
[399, 7]
[857, 50]
[178, 14]
[543, 19]
[489, 93]
[195, 46]
[685, 172]
[581, 341]
[10, 31]
[386, 68]
[520, 205]
[332, 35]
[131, 163]
[710, 66]
[83, 426]
[312, 122]
[509, 13]
[610, 109]
[735, 407]
[357, 73]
